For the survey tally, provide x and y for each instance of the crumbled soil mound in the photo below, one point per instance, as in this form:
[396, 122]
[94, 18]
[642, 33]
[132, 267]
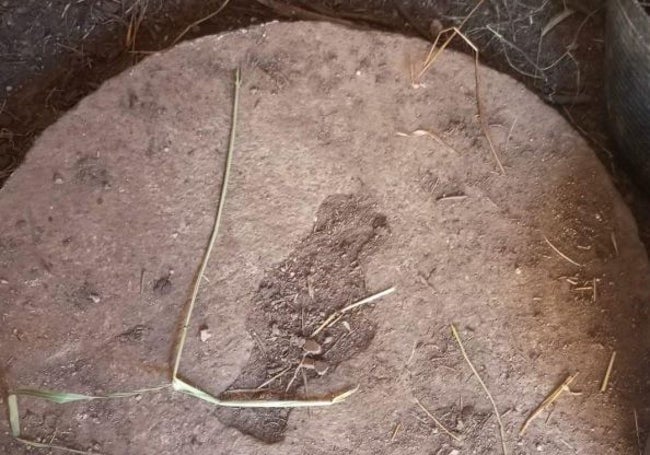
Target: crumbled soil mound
[104, 225]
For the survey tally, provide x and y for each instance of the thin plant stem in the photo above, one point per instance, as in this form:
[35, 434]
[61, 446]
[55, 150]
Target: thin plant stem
[502, 433]
[215, 229]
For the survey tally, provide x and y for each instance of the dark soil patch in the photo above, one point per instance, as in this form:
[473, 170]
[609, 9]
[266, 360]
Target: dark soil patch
[322, 275]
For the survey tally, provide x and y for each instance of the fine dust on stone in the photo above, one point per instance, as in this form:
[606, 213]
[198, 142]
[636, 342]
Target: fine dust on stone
[323, 274]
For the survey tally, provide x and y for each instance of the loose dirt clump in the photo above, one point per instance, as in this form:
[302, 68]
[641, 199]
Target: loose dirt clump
[324, 273]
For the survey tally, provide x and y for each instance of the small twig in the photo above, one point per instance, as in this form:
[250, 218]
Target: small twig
[338, 340]
[435, 52]
[605, 383]
[613, 237]
[431, 134]
[181, 386]
[415, 346]
[258, 342]
[395, 431]
[583, 289]
[555, 394]
[437, 422]
[594, 296]
[556, 20]
[295, 373]
[479, 105]
[41, 445]
[561, 254]
[53, 437]
[137, 14]
[566, 444]
[457, 197]
[548, 417]
[339, 313]
[636, 427]
[502, 433]
[306, 386]
[512, 127]
[273, 378]
[200, 21]
[142, 271]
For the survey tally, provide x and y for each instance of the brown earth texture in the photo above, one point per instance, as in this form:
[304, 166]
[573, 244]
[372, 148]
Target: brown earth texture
[332, 198]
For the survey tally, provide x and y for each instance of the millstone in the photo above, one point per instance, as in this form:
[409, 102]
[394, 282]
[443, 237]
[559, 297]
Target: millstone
[103, 227]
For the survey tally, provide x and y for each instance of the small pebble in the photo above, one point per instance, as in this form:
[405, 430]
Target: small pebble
[308, 363]
[58, 180]
[95, 298]
[204, 335]
[312, 347]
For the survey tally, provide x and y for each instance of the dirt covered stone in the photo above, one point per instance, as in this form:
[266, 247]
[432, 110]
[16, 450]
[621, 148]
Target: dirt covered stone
[327, 205]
